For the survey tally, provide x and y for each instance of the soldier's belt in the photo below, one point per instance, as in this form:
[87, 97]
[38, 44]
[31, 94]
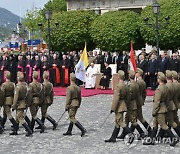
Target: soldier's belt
[9, 96]
[35, 95]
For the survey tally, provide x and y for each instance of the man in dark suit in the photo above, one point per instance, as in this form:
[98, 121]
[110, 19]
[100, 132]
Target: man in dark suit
[152, 71]
[163, 63]
[174, 63]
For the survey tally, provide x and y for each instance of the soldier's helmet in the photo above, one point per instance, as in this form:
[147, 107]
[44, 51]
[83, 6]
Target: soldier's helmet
[161, 76]
[121, 74]
[46, 75]
[131, 74]
[72, 77]
[140, 71]
[35, 74]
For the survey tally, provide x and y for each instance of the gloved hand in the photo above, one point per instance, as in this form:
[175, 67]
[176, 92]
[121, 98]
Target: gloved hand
[66, 109]
[153, 115]
[12, 110]
[112, 111]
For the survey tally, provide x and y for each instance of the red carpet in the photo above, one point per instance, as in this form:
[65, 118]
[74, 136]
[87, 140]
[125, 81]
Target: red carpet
[61, 91]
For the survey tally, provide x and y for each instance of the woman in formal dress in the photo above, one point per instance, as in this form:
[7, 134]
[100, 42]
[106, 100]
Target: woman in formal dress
[104, 82]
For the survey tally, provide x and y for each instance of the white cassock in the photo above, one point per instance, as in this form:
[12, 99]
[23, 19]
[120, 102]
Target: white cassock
[90, 78]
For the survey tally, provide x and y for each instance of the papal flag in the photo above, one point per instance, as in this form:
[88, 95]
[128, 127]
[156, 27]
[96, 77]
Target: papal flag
[80, 68]
[132, 60]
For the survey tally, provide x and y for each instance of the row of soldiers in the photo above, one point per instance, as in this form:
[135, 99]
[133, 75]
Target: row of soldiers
[22, 96]
[129, 99]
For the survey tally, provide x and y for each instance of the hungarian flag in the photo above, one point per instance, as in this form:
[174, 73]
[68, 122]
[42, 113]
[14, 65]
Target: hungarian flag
[132, 61]
[80, 68]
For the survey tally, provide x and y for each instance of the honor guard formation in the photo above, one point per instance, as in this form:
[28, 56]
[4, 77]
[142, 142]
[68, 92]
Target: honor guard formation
[127, 103]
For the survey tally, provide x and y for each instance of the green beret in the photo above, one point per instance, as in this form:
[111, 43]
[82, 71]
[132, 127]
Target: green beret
[161, 76]
[72, 77]
[45, 74]
[8, 75]
[168, 74]
[174, 75]
[131, 74]
[35, 74]
[121, 74]
[20, 76]
[140, 71]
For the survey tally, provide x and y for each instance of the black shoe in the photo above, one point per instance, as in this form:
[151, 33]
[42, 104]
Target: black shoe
[1, 129]
[114, 135]
[174, 140]
[148, 127]
[28, 129]
[32, 124]
[41, 125]
[15, 124]
[83, 130]
[43, 120]
[55, 124]
[28, 120]
[177, 130]
[3, 121]
[160, 134]
[69, 131]
[122, 136]
[150, 140]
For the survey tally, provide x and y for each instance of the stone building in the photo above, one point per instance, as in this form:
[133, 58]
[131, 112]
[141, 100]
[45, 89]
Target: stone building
[102, 6]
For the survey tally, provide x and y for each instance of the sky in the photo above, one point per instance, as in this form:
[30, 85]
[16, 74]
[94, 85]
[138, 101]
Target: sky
[20, 7]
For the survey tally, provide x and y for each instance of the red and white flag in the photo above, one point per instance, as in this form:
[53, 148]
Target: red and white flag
[132, 61]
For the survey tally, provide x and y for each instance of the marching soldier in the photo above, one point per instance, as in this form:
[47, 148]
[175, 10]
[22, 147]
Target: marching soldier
[37, 90]
[119, 107]
[176, 97]
[171, 108]
[19, 104]
[159, 110]
[141, 98]
[7, 89]
[48, 100]
[73, 102]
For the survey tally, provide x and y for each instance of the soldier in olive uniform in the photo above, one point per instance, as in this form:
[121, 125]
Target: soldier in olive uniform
[19, 104]
[171, 108]
[73, 102]
[159, 110]
[48, 100]
[37, 91]
[176, 97]
[119, 107]
[141, 99]
[7, 89]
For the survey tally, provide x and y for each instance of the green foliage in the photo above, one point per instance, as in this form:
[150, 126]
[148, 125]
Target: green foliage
[73, 30]
[169, 36]
[113, 31]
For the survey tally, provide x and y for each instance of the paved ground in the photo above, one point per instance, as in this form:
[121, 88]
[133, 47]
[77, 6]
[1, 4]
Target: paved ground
[91, 114]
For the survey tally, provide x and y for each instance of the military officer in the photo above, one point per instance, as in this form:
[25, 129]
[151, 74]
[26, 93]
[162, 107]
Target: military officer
[19, 104]
[73, 102]
[48, 99]
[159, 110]
[7, 89]
[176, 96]
[119, 107]
[141, 98]
[37, 91]
[171, 108]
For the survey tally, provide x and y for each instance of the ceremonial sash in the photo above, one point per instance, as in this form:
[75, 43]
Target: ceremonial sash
[66, 76]
[30, 72]
[57, 74]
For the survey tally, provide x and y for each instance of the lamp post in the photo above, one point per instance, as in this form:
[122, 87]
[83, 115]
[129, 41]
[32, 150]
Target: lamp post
[48, 15]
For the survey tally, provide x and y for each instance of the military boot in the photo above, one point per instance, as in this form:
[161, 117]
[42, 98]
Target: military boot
[140, 131]
[69, 131]
[41, 125]
[28, 129]
[28, 120]
[32, 124]
[15, 127]
[83, 130]
[151, 139]
[174, 140]
[114, 135]
[148, 127]
[3, 121]
[1, 129]
[177, 130]
[0, 119]
[132, 128]
[160, 135]
[43, 120]
[122, 136]
[55, 124]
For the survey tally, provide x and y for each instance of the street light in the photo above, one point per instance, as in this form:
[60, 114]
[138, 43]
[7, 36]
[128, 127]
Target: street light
[157, 25]
[48, 15]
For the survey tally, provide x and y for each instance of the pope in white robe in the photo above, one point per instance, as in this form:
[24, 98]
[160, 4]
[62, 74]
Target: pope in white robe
[90, 78]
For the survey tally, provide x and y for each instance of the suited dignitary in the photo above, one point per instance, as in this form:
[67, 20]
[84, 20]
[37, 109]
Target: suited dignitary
[159, 110]
[48, 95]
[141, 99]
[176, 98]
[3, 68]
[174, 63]
[163, 63]
[45, 66]
[20, 64]
[170, 105]
[119, 107]
[19, 104]
[73, 102]
[37, 66]
[28, 69]
[37, 91]
[54, 71]
[12, 66]
[7, 89]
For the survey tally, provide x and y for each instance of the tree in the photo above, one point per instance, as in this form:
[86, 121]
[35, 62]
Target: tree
[114, 30]
[169, 35]
[73, 30]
